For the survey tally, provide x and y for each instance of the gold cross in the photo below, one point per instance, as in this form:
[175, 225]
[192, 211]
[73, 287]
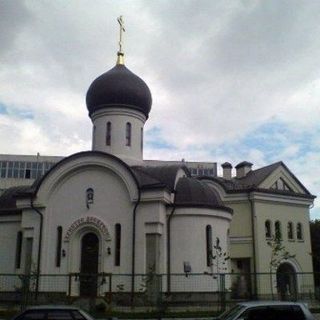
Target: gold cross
[122, 29]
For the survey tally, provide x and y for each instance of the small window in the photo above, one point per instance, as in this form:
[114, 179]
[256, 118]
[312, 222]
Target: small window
[277, 230]
[299, 231]
[117, 244]
[268, 231]
[89, 197]
[141, 141]
[59, 245]
[108, 134]
[290, 230]
[3, 169]
[128, 134]
[209, 245]
[10, 169]
[93, 137]
[18, 250]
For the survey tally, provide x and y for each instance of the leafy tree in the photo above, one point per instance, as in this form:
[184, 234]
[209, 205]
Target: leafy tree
[278, 254]
[219, 258]
[315, 245]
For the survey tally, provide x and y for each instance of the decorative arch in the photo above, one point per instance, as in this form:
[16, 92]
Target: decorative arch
[74, 247]
[287, 285]
[89, 222]
[79, 162]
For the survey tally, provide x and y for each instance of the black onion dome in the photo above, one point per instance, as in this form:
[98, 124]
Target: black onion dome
[195, 193]
[119, 87]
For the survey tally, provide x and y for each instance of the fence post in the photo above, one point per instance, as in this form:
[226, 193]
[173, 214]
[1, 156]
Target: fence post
[110, 290]
[222, 282]
[159, 299]
[69, 284]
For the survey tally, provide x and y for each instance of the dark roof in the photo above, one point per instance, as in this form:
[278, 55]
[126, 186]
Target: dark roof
[8, 199]
[166, 175]
[191, 192]
[121, 88]
[226, 165]
[145, 180]
[254, 178]
[243, 164]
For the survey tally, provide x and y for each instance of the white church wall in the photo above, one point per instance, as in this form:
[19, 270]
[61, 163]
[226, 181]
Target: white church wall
[111, 205]
[64, 192]
[283, 213]
[118, 117]
[188, 245]
[151, 219]
[9, 227]
[67, 205]
[302, 261]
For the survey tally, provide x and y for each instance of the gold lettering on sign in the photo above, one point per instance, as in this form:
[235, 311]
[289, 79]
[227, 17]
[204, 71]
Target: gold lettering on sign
[88, 221]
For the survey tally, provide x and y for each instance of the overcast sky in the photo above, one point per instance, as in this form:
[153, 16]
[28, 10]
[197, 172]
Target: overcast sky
[230, 80]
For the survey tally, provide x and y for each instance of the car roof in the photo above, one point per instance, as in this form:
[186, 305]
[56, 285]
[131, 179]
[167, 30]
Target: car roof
[268, 303]
[52, 307]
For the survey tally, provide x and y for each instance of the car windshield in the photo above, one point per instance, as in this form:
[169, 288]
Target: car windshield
[231, 312]
[87, 315]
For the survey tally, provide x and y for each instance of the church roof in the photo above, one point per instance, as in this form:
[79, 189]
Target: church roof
[254, 178]
[8, 199]
[191, 192]
[119, 87]
[165, 175]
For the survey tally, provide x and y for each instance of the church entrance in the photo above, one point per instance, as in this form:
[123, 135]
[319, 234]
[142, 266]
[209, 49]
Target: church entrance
[89, 264]
[287, 282]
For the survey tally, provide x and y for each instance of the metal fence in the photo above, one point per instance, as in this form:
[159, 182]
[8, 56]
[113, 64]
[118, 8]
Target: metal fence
[155, 293]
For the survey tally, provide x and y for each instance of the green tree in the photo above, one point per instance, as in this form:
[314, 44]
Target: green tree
[219, 258]
[279, 253]
[315, 246]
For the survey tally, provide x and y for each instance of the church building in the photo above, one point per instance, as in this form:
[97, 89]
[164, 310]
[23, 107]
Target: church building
[108, 211]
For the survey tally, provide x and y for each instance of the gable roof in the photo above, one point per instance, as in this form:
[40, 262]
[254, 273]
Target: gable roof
[254, 178]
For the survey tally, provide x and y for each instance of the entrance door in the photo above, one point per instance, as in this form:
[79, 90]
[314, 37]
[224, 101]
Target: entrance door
[286, 282]
[89, 265]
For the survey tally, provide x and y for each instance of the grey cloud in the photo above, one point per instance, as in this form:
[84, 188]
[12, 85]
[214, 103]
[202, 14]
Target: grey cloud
[14, 16]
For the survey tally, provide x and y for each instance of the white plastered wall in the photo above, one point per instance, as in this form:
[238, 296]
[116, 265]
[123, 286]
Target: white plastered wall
[9, 227]
[188, 244]
[118, 117]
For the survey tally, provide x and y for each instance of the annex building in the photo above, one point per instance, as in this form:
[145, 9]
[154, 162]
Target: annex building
[108, 210]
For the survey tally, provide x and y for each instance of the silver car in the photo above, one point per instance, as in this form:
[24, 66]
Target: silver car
[53, 313]
[268, 310]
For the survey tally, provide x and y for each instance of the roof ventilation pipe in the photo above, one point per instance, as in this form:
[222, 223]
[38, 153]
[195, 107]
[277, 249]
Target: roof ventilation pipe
[227, 170]
[243, 168]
